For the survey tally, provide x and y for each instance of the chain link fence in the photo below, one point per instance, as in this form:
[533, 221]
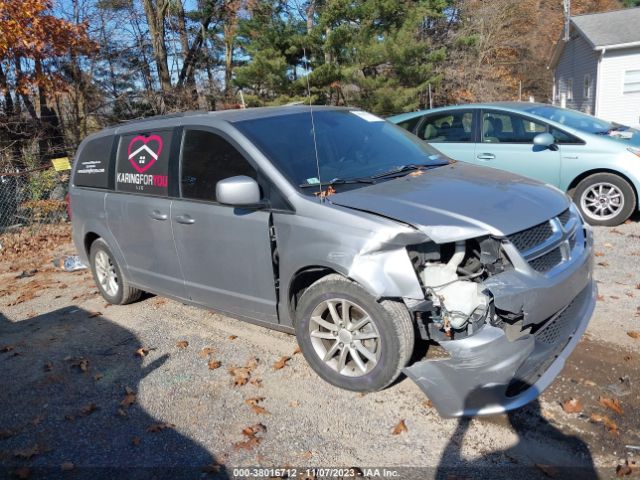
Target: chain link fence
[32, 198]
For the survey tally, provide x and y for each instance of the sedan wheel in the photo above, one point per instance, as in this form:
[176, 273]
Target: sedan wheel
[602, 201]
[605, 199]
[106, 273]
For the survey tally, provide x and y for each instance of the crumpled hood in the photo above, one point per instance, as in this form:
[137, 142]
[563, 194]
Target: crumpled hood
[459, 201]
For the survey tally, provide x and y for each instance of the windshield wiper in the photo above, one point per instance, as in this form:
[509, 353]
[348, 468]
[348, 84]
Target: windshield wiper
[337, 181]
[404, 169]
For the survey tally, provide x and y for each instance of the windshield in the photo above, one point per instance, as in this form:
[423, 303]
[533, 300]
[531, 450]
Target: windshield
[350, 145]
[574, 119]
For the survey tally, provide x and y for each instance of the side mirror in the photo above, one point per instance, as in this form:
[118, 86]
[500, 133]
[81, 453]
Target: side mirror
[544, 140]
[240, 191]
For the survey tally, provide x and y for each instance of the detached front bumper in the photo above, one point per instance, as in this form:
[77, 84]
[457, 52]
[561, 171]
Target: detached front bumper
[487, 373]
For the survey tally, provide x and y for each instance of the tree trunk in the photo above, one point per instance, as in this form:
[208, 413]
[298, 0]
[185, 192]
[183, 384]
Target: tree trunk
[155, 19]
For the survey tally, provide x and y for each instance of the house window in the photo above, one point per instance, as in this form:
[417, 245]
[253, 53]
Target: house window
[586, 88]
[570, 89]
[631, 81]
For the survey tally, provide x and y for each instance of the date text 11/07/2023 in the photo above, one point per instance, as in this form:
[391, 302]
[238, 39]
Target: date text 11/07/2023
[318, 473]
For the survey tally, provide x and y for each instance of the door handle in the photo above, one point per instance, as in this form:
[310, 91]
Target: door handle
[486, 156]
[185, 219]
[157, 215]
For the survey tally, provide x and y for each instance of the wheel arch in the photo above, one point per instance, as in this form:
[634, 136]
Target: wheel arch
[576, 181]
[301, 280]
[88, 240]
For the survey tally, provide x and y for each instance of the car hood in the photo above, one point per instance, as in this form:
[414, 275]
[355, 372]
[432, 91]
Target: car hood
[459, 201]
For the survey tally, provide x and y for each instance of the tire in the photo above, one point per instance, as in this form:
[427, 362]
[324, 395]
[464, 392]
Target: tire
[605, 199]
[115, 290]
[389, 335]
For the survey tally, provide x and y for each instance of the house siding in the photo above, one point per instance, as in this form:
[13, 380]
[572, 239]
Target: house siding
[613, 104]
[576, 60]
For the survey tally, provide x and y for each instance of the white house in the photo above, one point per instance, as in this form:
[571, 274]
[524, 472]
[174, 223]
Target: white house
[597, 70]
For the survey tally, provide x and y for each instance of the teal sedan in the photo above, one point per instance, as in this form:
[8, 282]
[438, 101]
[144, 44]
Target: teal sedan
[595, 161]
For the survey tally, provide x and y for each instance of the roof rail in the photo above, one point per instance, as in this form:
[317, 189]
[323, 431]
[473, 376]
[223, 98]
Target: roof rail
[162, 117]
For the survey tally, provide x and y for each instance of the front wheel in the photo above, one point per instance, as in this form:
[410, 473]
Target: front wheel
[351, 340]
[605, 199]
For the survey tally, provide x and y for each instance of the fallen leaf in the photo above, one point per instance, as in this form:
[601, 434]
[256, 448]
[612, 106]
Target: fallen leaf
[142, 352]
[97, 376]
[88, 409]
[121, 413]
[6, 434]
[638, 286]
[294, 403]
[616, 231]
[606, 421]
[128, 400]
[212, 468]
[548, 470]
[240, 375]
[572, 405]
[253, 403]
[81, 363]
[401, 427]
[66, 466]
[603, 264]
[95, 314]
[427, 404]
[135, 440]
[611, 404]
[213, 364]
[158, 427]
[206, 351]
[297, 350]
[37, 420]
[634, 334]
[280, 364]
[600, 298]
[182, 344]
[7, 348]
[252, 438]
[48, 367]
[256, 382]
[27, 453]
[625, 469]
[608, 245]
[232, 337]
[599, 254]
[613, 297]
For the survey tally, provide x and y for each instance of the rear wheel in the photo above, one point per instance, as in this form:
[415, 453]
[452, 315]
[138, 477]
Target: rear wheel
[108, 276]
[605, 199]
[351, 340]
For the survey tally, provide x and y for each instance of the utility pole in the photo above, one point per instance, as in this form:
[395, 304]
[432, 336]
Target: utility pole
[567, 19]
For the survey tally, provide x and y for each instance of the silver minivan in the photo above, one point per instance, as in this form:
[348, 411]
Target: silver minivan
[355, 235]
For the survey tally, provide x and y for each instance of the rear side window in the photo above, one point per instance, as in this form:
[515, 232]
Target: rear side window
[456, 126]
[410, 124]
[143, 162]
[208, 158]
[93, 163]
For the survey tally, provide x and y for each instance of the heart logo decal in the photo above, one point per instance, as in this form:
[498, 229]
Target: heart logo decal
[144, 151]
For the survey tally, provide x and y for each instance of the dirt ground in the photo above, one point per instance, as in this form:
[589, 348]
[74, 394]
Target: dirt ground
[157, 387]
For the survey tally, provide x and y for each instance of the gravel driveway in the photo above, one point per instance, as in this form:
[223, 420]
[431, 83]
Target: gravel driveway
[91, 390]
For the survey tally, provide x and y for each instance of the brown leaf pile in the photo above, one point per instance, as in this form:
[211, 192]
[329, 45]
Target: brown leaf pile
[129, 398]
[214, 364]
[22, 243]
[253, 439]
[627, 468]
[633, 334]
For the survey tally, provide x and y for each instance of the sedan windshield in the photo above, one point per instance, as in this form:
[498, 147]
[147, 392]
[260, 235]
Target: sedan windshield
[574, 119]
[351, 147]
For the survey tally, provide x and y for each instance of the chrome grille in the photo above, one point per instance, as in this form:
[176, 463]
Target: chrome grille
[550, 243]
[529, 238]
[547, 261]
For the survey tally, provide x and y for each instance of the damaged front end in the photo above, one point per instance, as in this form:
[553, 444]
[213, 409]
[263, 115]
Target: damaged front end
[507, 312]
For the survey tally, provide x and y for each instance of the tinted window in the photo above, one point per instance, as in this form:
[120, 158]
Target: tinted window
[93, 163]
[143, 162]
[409, 124]
[350, 144]
[208, 158]
[565, 138]
[500, 127]
[447, 127]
